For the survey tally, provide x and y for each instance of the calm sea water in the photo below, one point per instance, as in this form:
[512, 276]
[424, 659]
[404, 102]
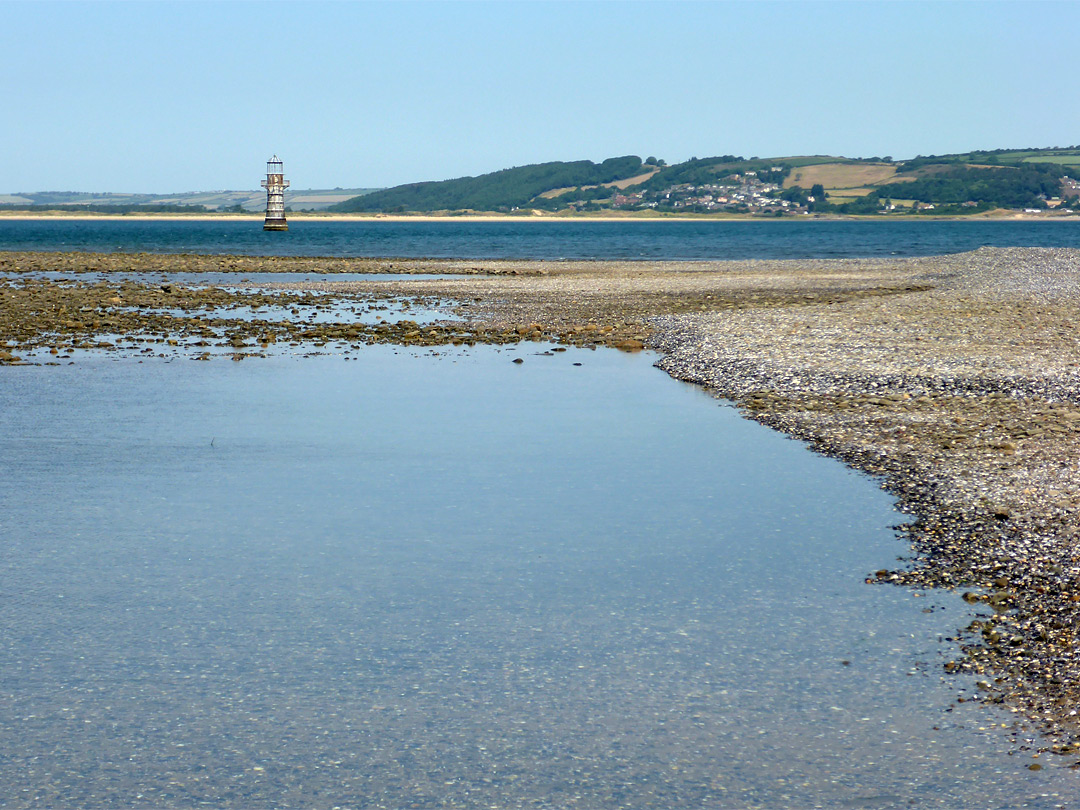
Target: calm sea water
[541, 240]
[446, 580]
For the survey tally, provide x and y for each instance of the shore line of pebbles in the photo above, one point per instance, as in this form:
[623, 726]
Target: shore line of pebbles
[953, 379]
[964, 399]
[85, 262]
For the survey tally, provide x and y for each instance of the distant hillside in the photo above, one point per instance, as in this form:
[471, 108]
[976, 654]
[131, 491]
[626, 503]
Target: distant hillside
[939, 184]
[963, 183]
[1025, 185]
[1062, 156]
[502, 190]
[241, 200]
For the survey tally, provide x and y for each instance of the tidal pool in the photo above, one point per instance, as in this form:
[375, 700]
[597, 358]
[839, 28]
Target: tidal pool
[217, 279]
[442, 579]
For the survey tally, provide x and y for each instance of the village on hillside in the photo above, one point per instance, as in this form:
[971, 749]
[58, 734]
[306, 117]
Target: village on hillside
[738, 193]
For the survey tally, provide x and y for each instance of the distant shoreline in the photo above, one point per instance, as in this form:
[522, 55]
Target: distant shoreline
[296, 217]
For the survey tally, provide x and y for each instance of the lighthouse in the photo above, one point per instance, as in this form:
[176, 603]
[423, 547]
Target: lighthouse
[275, 185]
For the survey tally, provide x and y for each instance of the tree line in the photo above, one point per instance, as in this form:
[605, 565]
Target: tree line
[502, 190]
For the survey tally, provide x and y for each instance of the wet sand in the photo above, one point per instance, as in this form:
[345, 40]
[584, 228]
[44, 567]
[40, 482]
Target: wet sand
[954, 379]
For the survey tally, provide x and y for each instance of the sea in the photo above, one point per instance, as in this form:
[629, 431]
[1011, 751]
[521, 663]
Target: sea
[542, 239]
[385, 577]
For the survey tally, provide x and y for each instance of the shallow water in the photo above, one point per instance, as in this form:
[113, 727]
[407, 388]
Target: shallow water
[440, 579]
[224, 279]
[389, 310]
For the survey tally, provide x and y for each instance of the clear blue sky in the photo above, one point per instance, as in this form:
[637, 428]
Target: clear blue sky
[169, 97]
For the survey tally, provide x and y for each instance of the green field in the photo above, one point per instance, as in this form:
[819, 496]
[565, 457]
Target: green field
[809, 160]
[1061, 160]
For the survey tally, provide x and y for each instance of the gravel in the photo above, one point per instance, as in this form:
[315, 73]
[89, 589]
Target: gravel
[965, 400]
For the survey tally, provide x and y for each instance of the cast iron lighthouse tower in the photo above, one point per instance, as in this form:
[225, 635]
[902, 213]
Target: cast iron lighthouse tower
[275, 185]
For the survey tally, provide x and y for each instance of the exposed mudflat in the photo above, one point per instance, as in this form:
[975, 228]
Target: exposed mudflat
[955, 379]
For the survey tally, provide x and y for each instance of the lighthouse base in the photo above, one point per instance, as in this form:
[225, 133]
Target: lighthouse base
[275, 225]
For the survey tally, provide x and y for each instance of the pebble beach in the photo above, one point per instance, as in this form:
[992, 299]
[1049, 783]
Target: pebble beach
[954, 380]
